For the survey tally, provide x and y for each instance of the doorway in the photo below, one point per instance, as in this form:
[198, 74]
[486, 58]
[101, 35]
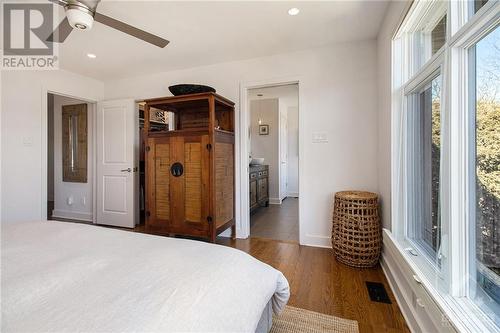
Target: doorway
[70, 162]
[274, 162]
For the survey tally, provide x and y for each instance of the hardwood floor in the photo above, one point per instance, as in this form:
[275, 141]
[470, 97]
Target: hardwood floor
[319, 283]
[280, 222]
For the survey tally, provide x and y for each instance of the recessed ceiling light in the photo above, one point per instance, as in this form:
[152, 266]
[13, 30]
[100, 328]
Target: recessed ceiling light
[293, 11]
[91, 55]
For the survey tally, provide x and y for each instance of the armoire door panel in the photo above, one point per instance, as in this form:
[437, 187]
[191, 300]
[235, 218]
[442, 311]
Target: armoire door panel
[205, 180]
[192, 181]
[158, 182]
[177, 182]
[162, 181]
[224, 182]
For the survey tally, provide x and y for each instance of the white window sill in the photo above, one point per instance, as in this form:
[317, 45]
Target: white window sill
[463, 314]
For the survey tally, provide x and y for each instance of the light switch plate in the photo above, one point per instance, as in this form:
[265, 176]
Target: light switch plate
[28, 141]
[319, 137]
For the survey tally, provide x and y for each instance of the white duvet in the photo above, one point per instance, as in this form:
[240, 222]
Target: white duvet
[66, 277]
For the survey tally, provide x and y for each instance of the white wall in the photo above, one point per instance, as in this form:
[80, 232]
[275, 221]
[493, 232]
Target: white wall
[79, 193]
[24, 136]
[266, 146]
[293, 151]
[384, 49]
[338, 96]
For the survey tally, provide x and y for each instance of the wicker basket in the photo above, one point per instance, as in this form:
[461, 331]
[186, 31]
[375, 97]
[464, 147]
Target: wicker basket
[356, 232]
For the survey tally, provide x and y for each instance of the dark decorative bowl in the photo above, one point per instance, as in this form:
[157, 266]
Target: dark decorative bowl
[186, 89]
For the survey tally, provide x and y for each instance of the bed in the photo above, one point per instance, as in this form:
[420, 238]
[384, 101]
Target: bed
[68, 277]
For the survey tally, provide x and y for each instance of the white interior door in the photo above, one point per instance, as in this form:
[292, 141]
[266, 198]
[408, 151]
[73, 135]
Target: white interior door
[283, 155]
[116, 163]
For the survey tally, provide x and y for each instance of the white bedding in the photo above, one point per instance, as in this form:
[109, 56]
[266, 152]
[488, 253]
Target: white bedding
[66, 277]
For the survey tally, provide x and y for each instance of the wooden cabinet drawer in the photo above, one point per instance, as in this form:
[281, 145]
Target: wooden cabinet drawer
[253, 193]
[259, 187]
[262, 189]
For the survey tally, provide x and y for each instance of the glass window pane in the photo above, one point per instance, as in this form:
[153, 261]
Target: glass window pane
[478, 4]
[433, 239]
[425, 230]
[486, 262]
[429, 37]
[438, 35]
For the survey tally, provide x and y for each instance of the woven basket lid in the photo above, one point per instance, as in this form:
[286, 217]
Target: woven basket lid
[356, 195]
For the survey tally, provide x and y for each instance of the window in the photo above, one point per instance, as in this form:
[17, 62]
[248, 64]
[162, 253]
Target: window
[438, 35]
[446, 155]
[425, 146]
[428, 35]
[485, 217]
[478, 4]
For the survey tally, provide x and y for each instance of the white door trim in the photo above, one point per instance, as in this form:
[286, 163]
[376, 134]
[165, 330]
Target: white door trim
[242, 152]
[283, 176]
[44, 141]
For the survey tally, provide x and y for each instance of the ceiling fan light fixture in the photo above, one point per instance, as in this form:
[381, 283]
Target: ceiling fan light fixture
[79, 19]
[81, 14]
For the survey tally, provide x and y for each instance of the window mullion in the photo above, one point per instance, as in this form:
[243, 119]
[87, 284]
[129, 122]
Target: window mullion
[458, 171]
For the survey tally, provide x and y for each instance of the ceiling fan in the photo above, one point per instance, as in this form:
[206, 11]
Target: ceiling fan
[81, 14]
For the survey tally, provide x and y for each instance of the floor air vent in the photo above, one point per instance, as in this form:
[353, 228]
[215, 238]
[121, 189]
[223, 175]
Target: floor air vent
[377, 292]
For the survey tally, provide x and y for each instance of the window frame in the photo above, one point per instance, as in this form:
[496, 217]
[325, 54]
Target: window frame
[471, 138]
[435, 66]
[413, 102]
[464, 29]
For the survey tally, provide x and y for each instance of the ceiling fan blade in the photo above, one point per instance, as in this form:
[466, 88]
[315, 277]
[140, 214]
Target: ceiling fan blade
[128, 29]
[61, 33]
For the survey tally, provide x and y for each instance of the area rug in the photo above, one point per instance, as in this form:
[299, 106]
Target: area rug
[295, 320]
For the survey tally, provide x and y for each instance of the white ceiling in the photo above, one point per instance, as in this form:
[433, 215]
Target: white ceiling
[289, 92]
[207, 32]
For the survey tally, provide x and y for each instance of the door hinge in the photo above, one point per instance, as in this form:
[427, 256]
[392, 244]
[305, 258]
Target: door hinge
[209, 146]
[209, 219]
[148, 148]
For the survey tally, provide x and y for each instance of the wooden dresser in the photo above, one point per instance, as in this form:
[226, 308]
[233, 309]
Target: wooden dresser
[190, 168]
[259, 186]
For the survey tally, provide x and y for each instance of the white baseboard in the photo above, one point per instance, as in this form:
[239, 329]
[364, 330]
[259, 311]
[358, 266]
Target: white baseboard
[316, 240]
[65, 214]
[275, 201]
[293, 194]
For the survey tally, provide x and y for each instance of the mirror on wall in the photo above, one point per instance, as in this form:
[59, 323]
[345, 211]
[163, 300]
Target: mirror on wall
[74, 143]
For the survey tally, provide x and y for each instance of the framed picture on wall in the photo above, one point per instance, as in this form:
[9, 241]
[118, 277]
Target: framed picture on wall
[263, 129]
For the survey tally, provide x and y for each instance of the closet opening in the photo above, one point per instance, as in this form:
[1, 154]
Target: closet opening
[70, 159]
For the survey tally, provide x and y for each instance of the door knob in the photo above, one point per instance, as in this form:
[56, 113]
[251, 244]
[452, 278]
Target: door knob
[126, 170]
[177, 169]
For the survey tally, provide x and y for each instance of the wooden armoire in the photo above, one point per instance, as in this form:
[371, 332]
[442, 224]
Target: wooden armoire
[190, 168]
